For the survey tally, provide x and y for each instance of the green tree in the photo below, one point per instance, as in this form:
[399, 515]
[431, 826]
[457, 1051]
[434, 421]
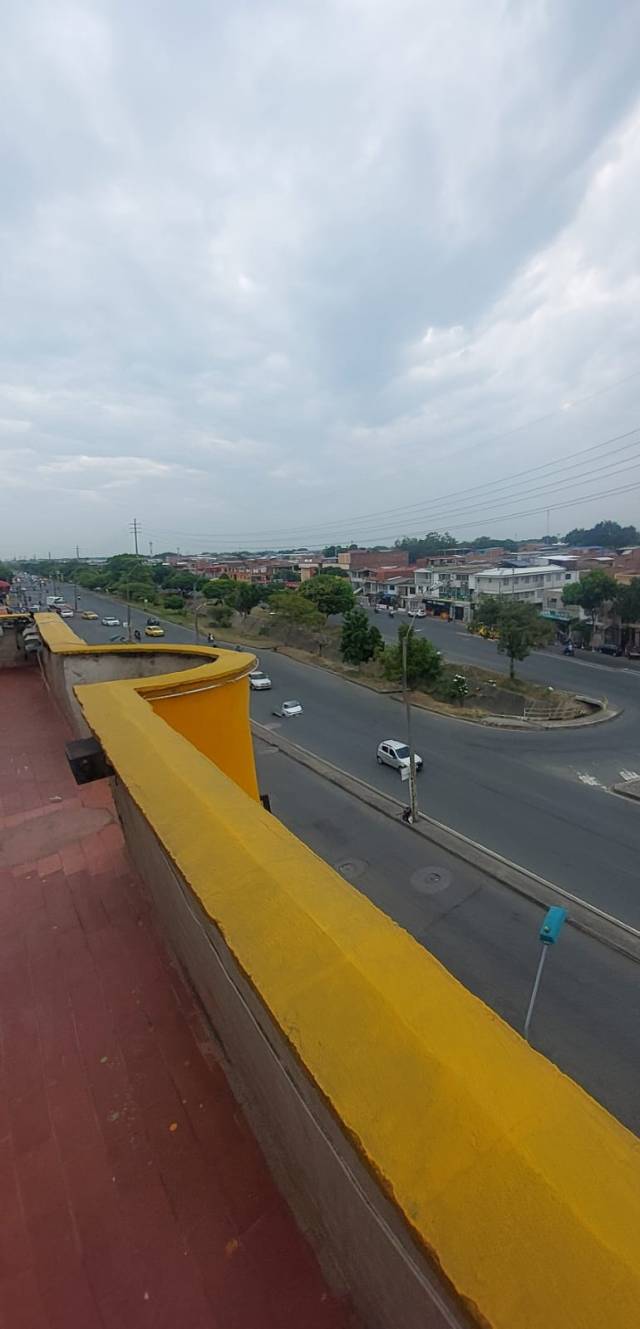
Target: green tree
[125, 567]
[628, 602]
[360, 640]
[458, 688]
[594, 590]
[434, 542]
[487, 612]
[161, 573]
[90, 577]
[247, 597]
[6, 573]
[173, 601]
[183, 581]
[294, 607]
[424, 662]
[331, 595]
[520, 630]
[488, 542]
[219, 589]
[221, 615]
[142, 590]
[609, 534]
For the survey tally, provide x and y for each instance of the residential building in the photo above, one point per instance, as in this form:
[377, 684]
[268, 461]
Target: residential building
[361, 559]
[528, 584]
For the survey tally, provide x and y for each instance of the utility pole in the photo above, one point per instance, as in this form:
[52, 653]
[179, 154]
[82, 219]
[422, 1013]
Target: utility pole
[129, 613]
[77, 553]
[151, 549]
[136, 531]
[413, 788]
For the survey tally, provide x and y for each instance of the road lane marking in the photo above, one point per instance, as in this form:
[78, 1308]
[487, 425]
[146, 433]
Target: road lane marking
[591, 780]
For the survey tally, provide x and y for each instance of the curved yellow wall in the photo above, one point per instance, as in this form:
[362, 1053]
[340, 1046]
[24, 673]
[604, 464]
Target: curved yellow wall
[208, 705]
[524, 1191]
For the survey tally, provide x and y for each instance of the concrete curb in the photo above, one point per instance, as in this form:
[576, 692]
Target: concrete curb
[587, 918]
[605, 714]
[488, 721]
[628, 789]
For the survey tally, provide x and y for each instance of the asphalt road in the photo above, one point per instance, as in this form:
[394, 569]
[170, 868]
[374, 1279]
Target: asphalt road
[588, 1011]
[542, 799]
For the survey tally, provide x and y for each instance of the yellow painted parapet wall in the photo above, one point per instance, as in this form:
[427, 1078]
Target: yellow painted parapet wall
[208, 704]
[523, 1191]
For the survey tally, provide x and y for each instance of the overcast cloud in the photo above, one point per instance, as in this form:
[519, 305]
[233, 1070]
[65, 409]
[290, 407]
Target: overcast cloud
[271, 267]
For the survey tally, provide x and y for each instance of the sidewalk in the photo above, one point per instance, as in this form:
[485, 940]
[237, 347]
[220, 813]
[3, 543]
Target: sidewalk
[134, 1193]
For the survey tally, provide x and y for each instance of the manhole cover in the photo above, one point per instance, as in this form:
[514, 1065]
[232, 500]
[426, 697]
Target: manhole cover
[429, 881]
[351, 868]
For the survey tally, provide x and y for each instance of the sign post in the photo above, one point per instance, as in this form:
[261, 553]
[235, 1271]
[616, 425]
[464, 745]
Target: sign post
[549, 933]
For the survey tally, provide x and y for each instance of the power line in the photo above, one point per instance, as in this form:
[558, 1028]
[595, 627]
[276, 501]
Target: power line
[553, 507]
[426, 508]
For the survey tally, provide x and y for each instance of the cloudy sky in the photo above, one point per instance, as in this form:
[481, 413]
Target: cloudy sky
[288, 272]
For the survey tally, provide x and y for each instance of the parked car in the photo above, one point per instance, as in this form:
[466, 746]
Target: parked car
[288, 709]
[258, 681]
[153, 630]
[609, 648]
[392, 752]
[88, 613]
[110, 622]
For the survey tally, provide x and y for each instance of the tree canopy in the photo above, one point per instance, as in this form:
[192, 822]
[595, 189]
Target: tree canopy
[246, 597]
[360, 639]
[591, 592]
[331, 595]
[628, 602]
[609, 534]
[294, 607]
[424, 662]
[519, 626]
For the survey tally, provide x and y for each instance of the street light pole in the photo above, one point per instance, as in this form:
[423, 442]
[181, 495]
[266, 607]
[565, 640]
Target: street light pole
[197, 606]
[413, 788]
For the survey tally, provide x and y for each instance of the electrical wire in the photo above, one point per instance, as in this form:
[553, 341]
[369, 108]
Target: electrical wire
[426, 508]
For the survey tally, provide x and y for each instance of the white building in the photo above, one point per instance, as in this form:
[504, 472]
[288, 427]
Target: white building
[541, 586]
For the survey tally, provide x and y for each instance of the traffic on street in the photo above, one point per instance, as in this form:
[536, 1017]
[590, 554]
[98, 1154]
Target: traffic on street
[543, 800]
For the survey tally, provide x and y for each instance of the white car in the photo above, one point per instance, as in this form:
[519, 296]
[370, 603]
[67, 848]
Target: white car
[288, 709]
[258, 681]
[110, 622]
[394, 753]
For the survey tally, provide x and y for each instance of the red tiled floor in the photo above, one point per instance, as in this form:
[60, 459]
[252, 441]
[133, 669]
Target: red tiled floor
[132, 1190]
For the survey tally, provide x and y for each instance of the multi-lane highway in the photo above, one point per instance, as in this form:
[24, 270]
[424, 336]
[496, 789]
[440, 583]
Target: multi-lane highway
[541, 799]
[588, 1011]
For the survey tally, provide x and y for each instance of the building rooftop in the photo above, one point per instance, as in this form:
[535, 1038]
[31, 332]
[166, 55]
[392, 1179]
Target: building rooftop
[134, 1193]
[519, 572]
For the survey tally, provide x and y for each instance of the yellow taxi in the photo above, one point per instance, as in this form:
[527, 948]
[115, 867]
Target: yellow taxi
[154, 630]
[88, 613]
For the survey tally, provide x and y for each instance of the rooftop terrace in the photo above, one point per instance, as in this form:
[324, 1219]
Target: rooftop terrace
[134, 1193]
